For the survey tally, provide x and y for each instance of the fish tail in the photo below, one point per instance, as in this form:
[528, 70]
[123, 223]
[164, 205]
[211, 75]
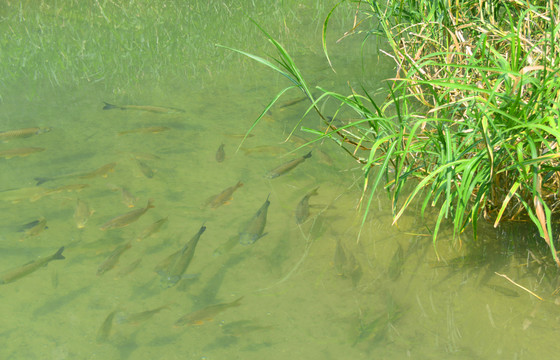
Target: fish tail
[150, 204]
[41, 180]
[239, 184]
[314, 191]
[111, 106]
[308, 155]
[58, 255]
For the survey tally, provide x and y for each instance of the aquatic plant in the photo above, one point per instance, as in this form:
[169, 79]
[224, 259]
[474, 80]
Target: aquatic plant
[471, 115]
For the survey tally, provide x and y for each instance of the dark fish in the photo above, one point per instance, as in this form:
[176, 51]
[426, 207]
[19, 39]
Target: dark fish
[293, 102]
[152, 229]
[30, 267]
[102, 171]
[504, 290]
[302, 210]
[254, 229]
[126, 219]
[149, 108]
[105, 329]
[145, 169]
[223, 197]
[113, 258]
[208, 313]
[284, 168]
[172, 269]
[220, 153]
[39, 226]
[143, 316]
[396, 264]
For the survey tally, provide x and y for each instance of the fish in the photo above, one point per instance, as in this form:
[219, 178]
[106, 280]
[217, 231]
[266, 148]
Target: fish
[302, 209]
[22, 133]
[173, 267]
[205, 314]
[102, 172]
[152, 229]
[37, 228]
[255, 227]
[113, 258]
[293, 102]
[82, 214]
[105, 329]
[223, 197]
[128, 199]
[220, 153]
[340, 261]
[396, 264]
[284, 168]
[145, 169]
[149, 108]
[269, 149]
[136, 318]
[145, 130]
[226, 246]
[129, 268]
[10, 153]
[19, 272]
[503, 290]
[126, 219]
[45, 192]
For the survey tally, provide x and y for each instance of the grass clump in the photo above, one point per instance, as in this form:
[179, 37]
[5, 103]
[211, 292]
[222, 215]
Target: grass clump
[472, 112]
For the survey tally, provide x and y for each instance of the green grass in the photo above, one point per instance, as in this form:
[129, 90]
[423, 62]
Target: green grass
[71, 42]
[472, 113]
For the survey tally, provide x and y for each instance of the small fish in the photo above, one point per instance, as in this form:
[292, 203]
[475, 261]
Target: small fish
[239, 136]
[82, 214]
[18, 273]
[503, 290]
[129, 268]
[255, 227]
[113, 258]
[226, 246]
[145, 130]
[172, 269]
[10, 153]
[102, 171]
[38, 228]
[396, 264]
[152, 229]
[220, 153]
[139, 317]
[105, 329]
[269, 149]
[126, 219]
[340, 261]
[145, 169]
[149, 108]
[223, 197]
[22, 133]
[293, 102]
[127, 198]
[46, 192]
[302, 210]
[284, 168]
[208, 313]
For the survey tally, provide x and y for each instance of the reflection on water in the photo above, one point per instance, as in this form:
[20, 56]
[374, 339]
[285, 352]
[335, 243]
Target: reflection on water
[302, 287]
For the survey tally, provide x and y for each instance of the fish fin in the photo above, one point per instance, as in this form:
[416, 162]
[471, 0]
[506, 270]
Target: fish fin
[41, 180]
[111, 106]
[308, 155]
[58, 255]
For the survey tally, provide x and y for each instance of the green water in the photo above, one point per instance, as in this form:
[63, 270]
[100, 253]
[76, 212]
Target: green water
[302, 296]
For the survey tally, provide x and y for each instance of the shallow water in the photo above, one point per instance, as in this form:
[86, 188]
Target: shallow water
[300, 300]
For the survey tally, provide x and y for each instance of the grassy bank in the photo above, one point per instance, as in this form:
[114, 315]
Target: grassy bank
[471, 116]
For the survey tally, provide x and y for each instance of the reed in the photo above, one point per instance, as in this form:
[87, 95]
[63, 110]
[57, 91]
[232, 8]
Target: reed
[471, 114]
